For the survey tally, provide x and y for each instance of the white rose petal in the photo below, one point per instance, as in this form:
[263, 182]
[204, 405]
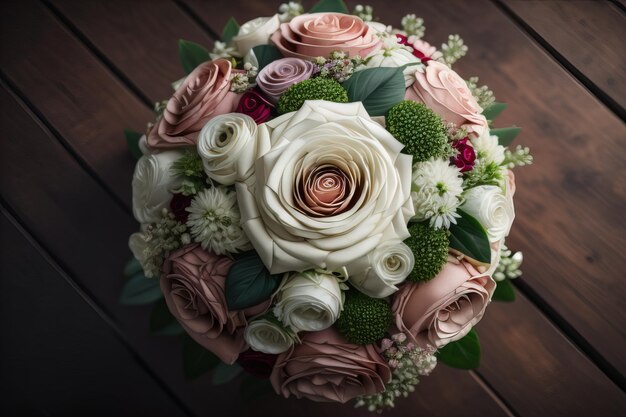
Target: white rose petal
[256, 32]
[494, 211]
[228, 145]
[309, 301]
[152, 185]
[268, 337]
[388, 266]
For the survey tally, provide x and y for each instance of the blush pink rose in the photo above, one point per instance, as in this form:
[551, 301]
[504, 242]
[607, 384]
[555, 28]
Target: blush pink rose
[326, 368]
[204, 94]
[446, 93]
[193, 286]
[324, 191]
[311, 35]
[445, 308]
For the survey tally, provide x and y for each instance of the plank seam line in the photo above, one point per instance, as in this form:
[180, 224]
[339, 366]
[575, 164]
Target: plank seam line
[7, 83]
[592, 87]
[91, 47]
[56, 264]
[570, 332]
[493, 393]
[189, 12]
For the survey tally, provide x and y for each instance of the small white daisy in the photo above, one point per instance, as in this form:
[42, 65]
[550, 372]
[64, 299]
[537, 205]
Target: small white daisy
[215, 221]
[487, 148]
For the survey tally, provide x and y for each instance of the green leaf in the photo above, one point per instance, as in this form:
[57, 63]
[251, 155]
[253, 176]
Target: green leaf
[494, 110]
[132, 267]
[266, 54]
[141, 290]
[504, 291]
[506, 134]
[469, 237]
[132, 140]
[335, 6]
[378, 88]
[191, 54]
[230, 30]
[253, 388]
[248, 282]
[224, 373]
[462, 354]
[196, 359]
[162, 322]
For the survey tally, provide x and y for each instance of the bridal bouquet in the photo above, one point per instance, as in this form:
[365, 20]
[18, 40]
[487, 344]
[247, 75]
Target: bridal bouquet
[323, 203]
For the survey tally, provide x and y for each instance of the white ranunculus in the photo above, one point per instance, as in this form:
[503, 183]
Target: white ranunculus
[487, 148]
[255, 32]
[395, 55]
[373, 202]
[387, 266]
[152, 185]
[309, 301]
[229, 144]
[265, 336]
[494, 211]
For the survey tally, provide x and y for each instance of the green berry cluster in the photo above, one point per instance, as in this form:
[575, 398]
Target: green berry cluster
[419, 129]
[364, 320]
[319, 88]
[430, 247]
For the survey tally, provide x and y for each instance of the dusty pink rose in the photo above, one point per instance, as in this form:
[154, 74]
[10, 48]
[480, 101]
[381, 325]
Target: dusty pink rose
[444, 92]
[326, 368]
[204, 94]
[275, 78]
[445, 308]
[193, 285]
[311, 35]
[324, 190]
[256, 106]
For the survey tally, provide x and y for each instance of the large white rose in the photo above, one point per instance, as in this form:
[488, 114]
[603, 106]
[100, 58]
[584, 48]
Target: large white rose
[229, 144]
[309, 301]
[385, 267]
[152, 185]
[494, 211]
[266, 336]
[333, 187]
[255, 32]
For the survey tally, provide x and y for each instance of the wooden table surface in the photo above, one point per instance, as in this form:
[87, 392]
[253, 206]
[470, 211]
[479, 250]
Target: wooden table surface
[75, 73]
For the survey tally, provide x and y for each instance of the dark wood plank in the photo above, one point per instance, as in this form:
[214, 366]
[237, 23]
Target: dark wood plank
[58, 356]
[138, 38]
[589, 34]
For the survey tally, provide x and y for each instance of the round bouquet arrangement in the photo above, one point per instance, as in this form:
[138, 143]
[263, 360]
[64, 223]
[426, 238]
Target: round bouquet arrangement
[323, 203]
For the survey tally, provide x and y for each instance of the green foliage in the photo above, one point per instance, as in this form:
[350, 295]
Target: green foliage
[224, 373]
[230, 30]
[253, 389]
[490, 173]
[188, 165]
[266, 54]
[335, 6]
[430, 248]
[462, 354]
[364, 320]
[132, 140]
[469, 237]
[506, 135]
[191, 54]
[140, 290]
[162, 322]
[196, 359]
[132, 267]
[312, 89]
[377, 88]
[419, 129]
[494, 110]
[504, 291]
[248, 282]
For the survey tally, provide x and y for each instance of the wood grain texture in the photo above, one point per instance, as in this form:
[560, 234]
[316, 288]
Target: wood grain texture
[589, 34]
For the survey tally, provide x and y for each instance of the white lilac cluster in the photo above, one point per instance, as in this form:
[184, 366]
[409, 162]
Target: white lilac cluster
[508, 267]
[338, 66]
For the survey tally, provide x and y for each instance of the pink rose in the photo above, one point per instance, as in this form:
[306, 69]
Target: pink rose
[444, 92]
[311, 35]
[325, 368]
[275, 78]
[204, 94]
[445, 308]
[193, 285]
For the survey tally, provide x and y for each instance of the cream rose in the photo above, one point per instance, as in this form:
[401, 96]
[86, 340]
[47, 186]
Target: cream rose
[333, 187]
[267, 336]
[489, 205]
[255, 32]
[443, 91]
[311, 35]
[386, 266]
[228, 145]
[152, 185]
[445, 308]
[309, 301]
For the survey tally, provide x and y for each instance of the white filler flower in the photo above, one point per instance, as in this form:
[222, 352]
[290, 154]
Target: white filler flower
[487, 148]
[267, 336]
[214, 221]
[489, 205]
